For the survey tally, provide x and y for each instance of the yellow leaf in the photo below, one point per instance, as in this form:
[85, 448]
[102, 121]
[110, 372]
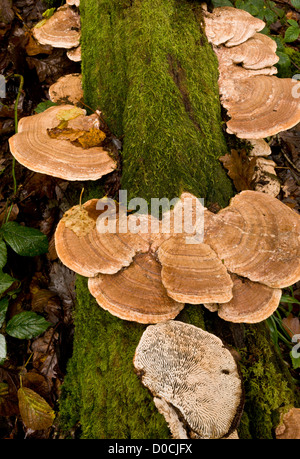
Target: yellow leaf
[40, 24]
[78, 220]
[69, 114]
[36, 413]
[91, 138]
[85, 139]
[65, 133]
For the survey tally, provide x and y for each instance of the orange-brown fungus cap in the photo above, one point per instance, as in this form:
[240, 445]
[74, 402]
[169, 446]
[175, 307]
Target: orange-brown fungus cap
[61, 30]
[85, 250]
[256, 53]
[193, 273]
[252, 302]
[289, 428]
[73, 2]
[67, 89]
[258, 103]
[261, 106]
[136, 293]
[74, 54]
[36, 149]
[230, 26]
[258, 237]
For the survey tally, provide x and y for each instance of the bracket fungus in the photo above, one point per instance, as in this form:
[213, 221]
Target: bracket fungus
[124, 274]
[289, 427]
[136, 293]
[74, 54]
[57, 155]
[261, 106]
[258, 103]
[193, 273]
[67, 89]
[250, 249]
[258, 237]
[259, 147]
[251, 302]
[194, 379]
[258, 52]
[230, 26]
[61, 30]
[88, 252]
[73, 2]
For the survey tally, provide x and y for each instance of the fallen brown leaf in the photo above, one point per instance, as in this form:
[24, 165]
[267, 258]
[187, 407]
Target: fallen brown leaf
[34, 48]
[36, 413]
[251, 172]
[240, 168]
[292, 325]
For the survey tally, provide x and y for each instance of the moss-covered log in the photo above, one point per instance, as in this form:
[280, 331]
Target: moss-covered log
[148, 67]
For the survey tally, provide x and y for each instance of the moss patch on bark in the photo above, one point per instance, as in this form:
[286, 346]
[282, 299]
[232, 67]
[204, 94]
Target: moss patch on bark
[148, 67]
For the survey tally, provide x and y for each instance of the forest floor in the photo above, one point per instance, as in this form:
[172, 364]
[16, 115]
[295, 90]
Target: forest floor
[43, 285]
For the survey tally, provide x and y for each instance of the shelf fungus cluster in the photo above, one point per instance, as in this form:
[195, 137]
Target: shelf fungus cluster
[258, 103]
[62, 30]
[62, 142]
[67, 89]
[194, 380]
[249, 251]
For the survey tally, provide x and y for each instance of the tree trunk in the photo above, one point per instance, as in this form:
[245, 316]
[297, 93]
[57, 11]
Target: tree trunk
[149, 68]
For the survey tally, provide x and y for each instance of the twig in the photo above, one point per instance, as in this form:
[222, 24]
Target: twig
[295, 65]
[291, 162]
[80, 199]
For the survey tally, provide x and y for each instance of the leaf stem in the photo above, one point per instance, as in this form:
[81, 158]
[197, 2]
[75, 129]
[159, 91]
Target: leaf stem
[80, 199]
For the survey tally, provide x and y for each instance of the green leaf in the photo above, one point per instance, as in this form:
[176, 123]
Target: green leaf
[292, 22]
[288, 299]
[3, 308]
[295, 361]
[42, 106]
[25, 241]
[3, 254]
[260, 4]
[280, 13]
[2, 348]
[283, 64]
[296, 4]
[273, 330]
[26, 325]
[270, 16]
[218, 3]
[291, 34]
[5, 281]
[48, 13]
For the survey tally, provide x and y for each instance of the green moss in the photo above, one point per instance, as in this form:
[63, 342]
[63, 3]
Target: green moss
[294, 56]
[269, 388]
[101, 389]
[148, 66]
